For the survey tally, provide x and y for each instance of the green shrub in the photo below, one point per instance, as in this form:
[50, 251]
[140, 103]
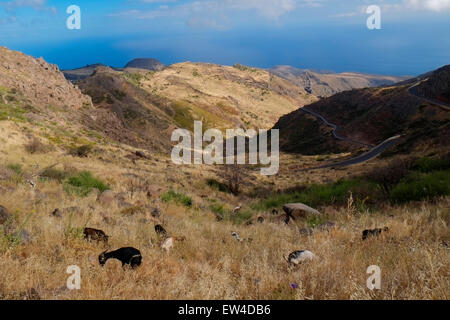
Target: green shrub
[419, 186]
[213, 183]
[81, 151]
[324, 194]
[134, 78]
[83, 183]
[10, 239]
[241, 216]
[428, 164]
[119, 95]
[389, 175]
[177, 197]
[36, 146]
[314, 220]
[54, 174]
[218, 209]
[17, 168]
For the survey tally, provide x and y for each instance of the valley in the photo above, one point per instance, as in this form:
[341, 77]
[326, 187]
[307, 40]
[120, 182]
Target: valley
[98, 149]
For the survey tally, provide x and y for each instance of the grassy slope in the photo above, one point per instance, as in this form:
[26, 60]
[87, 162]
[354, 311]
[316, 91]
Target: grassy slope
[210, 264]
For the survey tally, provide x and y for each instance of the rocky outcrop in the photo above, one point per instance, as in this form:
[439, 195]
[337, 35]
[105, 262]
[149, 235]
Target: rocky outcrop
[299, 210]
[41, 84]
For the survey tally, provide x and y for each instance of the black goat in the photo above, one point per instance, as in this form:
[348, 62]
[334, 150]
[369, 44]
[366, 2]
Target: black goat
[160, 231]
[95, 234]
[128, 255]
[373, 232]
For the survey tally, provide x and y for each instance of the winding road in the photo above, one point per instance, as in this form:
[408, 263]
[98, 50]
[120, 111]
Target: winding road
[372, 153]
[412, 91]
[375, 150]
[335, 128]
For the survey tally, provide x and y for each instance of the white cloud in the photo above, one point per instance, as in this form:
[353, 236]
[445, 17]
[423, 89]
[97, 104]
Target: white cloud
[11, 8]
[433, 5]
[218, 13]
[38, 5]
[430, 5]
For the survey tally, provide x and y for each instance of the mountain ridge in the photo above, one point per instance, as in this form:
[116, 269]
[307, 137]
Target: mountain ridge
[371, 115]
[325, 84]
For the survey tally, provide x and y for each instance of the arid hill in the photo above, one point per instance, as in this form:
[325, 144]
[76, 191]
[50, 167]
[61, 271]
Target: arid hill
[435, 86]
[67, 165]
[242, 96]
[370, 116]
[127, 113]
[222, 97]
[37, 82]
[325, 84]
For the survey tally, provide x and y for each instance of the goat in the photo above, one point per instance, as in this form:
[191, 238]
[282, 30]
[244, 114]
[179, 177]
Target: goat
[168, 243]
[236, 236]
[95, 234]
[374, 232]
[57, 213]
[299, 256]
[160, 231]
[127, 255]
[274, 212]
[235, 210]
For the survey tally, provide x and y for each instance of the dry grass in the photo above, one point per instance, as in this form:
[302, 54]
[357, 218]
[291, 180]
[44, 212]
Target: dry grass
[210, 264]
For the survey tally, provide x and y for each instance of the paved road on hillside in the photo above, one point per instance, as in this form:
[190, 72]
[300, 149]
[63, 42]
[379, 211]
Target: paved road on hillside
[335, 128]
[377, 150]
[412, 91]
[372, 153]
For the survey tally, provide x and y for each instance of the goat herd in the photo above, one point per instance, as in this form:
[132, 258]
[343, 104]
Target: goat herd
[133, 258]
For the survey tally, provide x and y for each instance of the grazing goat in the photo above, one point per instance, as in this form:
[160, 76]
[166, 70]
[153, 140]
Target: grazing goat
[95, 234]
[299, 256]
[236, 210]
[128, 255]
[373, 232]
[236, 236]
[160, 231]
[168, 243]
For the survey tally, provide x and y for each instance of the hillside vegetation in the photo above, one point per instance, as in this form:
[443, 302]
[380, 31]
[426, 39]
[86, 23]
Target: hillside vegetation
[67, 164]
[370, 116]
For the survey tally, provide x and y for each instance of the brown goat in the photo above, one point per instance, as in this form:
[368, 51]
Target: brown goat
[95, 234]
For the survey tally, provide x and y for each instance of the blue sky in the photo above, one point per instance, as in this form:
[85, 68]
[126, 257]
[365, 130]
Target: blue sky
[316, 34]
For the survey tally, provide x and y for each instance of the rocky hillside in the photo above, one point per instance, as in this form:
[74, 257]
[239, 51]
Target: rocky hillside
[138, 107]
[222, 97]
[240, 95]
[435, 85]
[325, 84]
[38, 83]
[127, 113]
[370, 116]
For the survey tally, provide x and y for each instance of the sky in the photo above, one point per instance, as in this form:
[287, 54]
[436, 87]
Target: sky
[311, 34]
